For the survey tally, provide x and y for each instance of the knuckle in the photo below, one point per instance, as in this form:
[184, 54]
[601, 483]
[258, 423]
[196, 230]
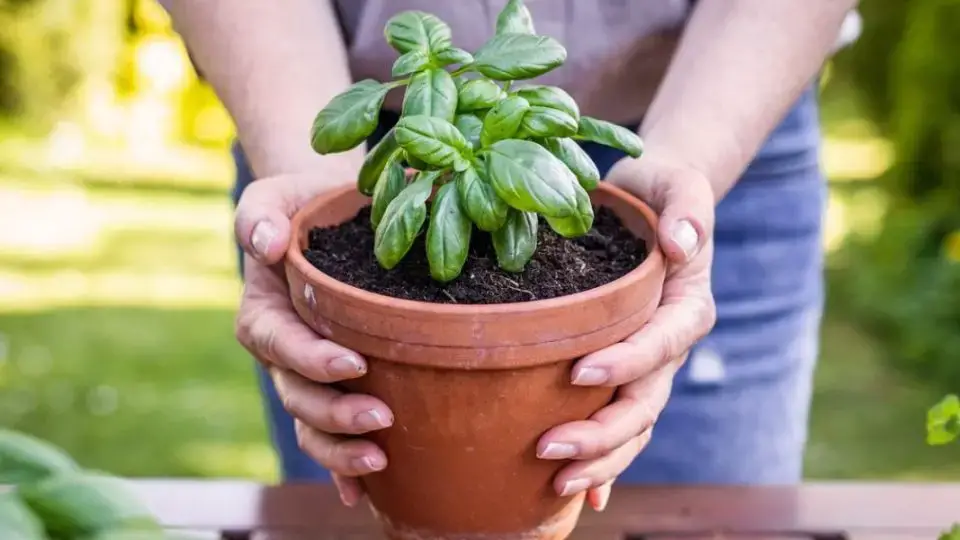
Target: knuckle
[258, 333]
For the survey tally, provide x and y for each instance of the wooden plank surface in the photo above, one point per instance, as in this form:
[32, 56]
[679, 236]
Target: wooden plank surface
[825, 510]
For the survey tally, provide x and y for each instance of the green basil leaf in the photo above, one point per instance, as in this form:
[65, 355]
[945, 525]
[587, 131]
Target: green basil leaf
[413, 162]
[349, 118]
[529, 178]
[410, 62]
[579, 223]
[431, 93]
[550, 96]
[402, 221]
[470, 125]
[374, 162]
[411, 30]
[448, 236]
[515, 18]
[503, 120]
[478, 94]
[480, 201]
[510, 57]
[435, 141]
[576, 159]
[547, 122]
[391, 183]
[453, 55]
[608, 134]
[516, 241]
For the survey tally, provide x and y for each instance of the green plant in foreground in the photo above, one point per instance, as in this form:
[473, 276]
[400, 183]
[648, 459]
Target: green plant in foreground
[943, 427]
[52, 498]
[943, 421]
[498, 154]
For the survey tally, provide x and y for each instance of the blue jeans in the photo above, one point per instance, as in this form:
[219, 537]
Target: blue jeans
[739, 408]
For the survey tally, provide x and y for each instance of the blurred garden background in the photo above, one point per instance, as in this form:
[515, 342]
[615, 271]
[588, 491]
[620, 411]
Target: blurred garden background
[117, 270]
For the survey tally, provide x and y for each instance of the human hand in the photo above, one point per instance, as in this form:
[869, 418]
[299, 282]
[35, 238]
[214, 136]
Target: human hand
[644, 364]
[301, 363]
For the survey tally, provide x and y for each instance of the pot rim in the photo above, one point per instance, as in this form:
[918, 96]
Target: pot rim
[651, 263]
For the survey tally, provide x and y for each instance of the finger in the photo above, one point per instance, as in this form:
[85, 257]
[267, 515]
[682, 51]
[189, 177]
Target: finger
[682, 197]
[351, 492]
[600, 496]
[583, 475]
[347, 457]
[262, 222]
[687, 209]
[328, 410]
[277, 335]
[678, 324]
[634, 411]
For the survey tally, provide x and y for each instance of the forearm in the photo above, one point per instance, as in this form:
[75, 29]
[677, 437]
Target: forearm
[274, 65]
[739, 67]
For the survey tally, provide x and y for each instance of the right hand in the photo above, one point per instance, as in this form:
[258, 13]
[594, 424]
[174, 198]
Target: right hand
[301, 363]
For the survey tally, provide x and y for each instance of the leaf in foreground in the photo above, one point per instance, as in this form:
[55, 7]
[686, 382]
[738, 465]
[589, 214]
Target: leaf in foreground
[529, 178]
[576, 159]
[516, 241]
[375, 161]
[16, 519]
[503, 120]
[431, 93]
[579, 223]
[480, 201]
[434, 141]
[612, 135]
[25, 458]
[391, 183]
[402, 221]
[515, 18]
[349, 118]
[410, 30]
[82, 504]
[943, 421]
[511, 57]
[448, 236]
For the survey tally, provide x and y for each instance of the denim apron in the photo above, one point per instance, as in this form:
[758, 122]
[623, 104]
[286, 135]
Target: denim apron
[739, 408]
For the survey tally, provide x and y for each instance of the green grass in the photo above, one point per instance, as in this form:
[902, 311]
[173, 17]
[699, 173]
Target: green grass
[136, 391]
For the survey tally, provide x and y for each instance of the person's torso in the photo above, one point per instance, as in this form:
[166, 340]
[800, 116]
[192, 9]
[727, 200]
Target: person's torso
[617, 50]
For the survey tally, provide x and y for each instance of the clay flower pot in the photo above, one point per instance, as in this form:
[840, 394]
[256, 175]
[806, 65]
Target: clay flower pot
[473, 387]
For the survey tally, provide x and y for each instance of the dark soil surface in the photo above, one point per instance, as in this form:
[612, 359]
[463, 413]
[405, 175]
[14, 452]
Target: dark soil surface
[559, 267]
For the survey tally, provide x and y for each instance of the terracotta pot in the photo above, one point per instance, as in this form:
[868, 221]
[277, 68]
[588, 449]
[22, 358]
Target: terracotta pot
[473, 387]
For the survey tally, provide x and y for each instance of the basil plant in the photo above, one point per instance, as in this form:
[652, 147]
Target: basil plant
[490, 153]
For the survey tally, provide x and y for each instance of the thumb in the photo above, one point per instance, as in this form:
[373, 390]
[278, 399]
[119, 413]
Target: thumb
[686, 218]
[262, 223]
[681, 196]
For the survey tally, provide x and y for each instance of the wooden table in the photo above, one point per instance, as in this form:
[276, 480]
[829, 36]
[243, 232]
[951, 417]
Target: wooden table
[820, 511]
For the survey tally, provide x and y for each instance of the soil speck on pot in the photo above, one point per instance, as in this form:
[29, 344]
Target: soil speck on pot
[560, 266]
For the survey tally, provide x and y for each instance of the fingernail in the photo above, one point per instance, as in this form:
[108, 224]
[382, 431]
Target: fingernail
[346, 365]
[371, 419]
[263, 234]
[685, 235]
[369, 463]
[603, 497]
[575, 486]
[556, 450]
[590, 376]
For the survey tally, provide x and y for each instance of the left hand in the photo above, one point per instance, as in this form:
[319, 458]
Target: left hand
[644, 364]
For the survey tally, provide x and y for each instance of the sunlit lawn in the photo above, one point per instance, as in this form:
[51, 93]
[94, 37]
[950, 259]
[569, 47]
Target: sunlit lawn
[116, 339]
